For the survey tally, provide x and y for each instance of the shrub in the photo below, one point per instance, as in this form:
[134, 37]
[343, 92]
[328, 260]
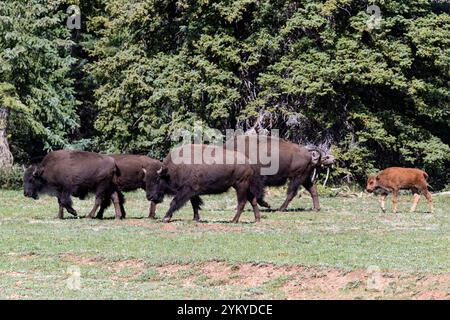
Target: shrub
[11, 178]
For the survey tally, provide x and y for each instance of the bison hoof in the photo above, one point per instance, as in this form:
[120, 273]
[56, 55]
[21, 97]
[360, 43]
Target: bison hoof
[166, 220]
[316, 209]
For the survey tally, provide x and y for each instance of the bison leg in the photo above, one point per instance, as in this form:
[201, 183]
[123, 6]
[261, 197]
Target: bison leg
[429, 199]
[394, 201]
[98, 202]
[71, 210]
[121, 202]
[383, 202]
[312, 189]
[254, 204]
[118, 205]
[196, 202]
[263, 203]
[105, 204]
[416, 198]
[101, 199]
[177, 202]
[66, 202]
[242, 199]
[60, 210]
[294, 184]
[100, 212]
[152, 210]
[239, 209]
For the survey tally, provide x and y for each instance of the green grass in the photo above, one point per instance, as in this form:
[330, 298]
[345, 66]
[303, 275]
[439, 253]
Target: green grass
[125, 259]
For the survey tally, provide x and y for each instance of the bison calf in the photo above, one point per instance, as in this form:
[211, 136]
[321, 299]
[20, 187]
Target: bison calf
[394, 179]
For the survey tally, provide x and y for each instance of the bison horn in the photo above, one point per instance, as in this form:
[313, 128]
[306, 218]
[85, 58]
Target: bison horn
[313, 175]
[162, 171]
[145, 171]
[326, 179]
[37, 172]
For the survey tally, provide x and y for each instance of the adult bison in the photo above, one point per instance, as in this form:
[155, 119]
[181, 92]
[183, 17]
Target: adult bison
[193, 170]
[289, 161]
[132, 175]
[67, 173]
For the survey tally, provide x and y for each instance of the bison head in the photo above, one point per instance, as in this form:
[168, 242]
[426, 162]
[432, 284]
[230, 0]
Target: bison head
[156, 184]
[321, 156]
[33, 182]
[372, 183]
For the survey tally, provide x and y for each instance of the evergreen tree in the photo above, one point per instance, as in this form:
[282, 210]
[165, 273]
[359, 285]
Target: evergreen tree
[375, 88]
[35, 87]
[317, 70]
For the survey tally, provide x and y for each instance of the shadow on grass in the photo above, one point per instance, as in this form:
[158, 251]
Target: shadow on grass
[225, 222]
[287, 210]
[159, 220]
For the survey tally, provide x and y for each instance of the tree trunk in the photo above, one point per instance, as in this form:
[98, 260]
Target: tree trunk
[6, 158]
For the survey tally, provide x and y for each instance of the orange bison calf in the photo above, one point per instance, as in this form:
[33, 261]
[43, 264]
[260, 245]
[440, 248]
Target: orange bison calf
[394, 179]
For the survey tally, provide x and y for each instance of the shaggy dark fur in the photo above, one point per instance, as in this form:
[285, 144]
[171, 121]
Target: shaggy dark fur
[132, 175]
[296, 164]
[66, 173]
[189, 181]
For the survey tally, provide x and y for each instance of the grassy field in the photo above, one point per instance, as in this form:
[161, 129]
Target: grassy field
[349, 250]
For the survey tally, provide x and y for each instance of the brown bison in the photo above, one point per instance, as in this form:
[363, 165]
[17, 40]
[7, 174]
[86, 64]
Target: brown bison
[132, 176]
[295, 163]
[188, 177]
[66, 173]
[394, 179]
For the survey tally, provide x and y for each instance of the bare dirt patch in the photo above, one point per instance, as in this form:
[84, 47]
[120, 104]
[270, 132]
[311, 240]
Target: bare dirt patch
[122, 270]
[126, 269]
[299, 282]
[137, 265]
[82, 260]
[289, 281]
[22, 256]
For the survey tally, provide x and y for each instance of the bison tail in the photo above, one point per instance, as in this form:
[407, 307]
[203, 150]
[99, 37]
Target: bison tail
[426, 176]
[116, 174]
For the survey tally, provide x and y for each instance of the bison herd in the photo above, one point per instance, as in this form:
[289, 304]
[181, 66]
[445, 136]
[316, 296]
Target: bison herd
[66, 174]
